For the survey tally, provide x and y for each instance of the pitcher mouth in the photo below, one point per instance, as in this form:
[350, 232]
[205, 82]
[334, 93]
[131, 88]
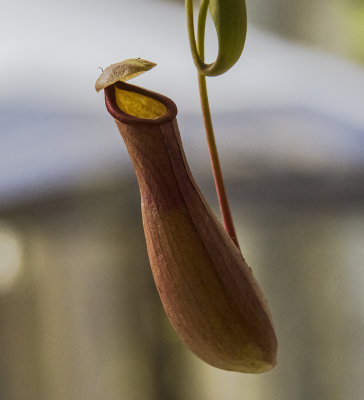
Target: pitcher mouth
[134, 105]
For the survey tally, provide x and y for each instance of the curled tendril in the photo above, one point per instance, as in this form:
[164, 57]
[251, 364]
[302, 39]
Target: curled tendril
[229, 17]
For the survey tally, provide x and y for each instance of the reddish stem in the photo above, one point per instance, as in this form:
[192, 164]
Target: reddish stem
[215, 163]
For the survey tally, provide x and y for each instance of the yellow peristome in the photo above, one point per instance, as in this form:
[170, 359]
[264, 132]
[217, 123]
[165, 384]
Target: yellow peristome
[138, 105]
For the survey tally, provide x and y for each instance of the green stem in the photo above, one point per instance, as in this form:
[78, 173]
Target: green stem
[214, 156]
[191, 31]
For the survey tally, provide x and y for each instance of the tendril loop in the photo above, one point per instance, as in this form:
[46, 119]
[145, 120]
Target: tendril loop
[229, 17]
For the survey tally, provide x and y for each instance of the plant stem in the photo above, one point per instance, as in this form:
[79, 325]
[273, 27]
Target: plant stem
[214, 156]
[215, 163]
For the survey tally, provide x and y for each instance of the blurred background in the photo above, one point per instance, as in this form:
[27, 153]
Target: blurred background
[80, 317]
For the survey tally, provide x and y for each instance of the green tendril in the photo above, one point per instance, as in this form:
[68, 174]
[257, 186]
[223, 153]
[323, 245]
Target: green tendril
[229, 17]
